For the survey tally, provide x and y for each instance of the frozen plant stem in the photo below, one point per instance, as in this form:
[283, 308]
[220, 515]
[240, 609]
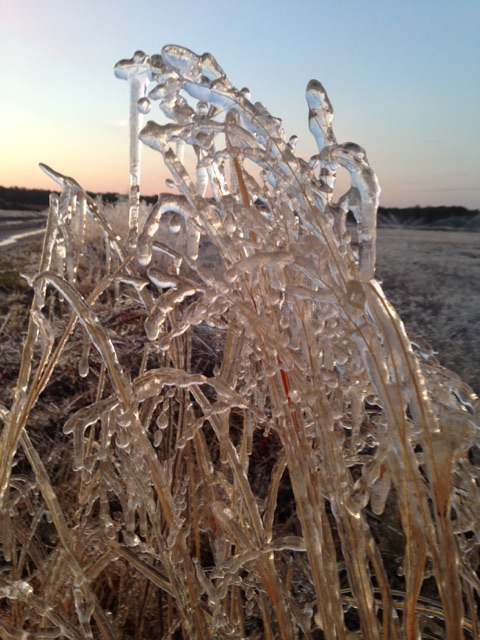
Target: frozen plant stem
[134, 70]
[250, 445]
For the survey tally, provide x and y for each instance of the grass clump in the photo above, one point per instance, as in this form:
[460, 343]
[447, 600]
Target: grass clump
[252, 447]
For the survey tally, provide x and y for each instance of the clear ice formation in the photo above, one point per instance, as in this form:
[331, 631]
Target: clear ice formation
[263, 452]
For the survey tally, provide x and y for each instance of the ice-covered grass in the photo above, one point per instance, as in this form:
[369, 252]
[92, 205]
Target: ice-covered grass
[252, 449]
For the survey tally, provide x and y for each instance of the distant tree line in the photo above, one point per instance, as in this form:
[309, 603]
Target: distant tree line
[19, 198]
[451, 216]
[22, 199]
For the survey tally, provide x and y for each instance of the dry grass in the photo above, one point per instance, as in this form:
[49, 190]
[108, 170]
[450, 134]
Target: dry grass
[248, 451]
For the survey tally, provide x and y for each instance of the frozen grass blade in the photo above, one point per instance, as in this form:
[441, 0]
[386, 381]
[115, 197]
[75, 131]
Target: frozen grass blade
[246, 443]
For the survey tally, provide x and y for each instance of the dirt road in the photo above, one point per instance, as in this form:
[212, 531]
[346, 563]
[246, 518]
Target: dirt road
[19, 225]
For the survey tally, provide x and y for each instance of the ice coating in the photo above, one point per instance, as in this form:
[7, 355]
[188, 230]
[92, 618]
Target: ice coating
[253, 447]
[353, 158]
[137, 71]
[166, 203]
[320, 119]
[320, 116]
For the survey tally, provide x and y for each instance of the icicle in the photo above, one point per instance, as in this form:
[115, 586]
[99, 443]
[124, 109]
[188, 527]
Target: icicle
[137, 71]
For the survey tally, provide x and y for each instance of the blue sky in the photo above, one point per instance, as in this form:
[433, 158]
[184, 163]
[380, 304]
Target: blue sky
[403, 77]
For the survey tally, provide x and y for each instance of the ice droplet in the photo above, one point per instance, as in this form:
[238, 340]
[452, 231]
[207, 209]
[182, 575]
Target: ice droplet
[380, 491]
[162, 421]
[175, 224]
[229, 223]
[292, 142]
[202, 108]
[144, 105]
[157, 438]
[123, 438]
[83, 366]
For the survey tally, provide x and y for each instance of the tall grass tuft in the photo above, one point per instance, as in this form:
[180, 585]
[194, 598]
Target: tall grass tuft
[246, 444]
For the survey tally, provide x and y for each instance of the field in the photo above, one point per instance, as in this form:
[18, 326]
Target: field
[433, 280]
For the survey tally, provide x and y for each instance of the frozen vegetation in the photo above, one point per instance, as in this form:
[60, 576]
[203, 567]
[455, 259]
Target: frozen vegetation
[251, 446]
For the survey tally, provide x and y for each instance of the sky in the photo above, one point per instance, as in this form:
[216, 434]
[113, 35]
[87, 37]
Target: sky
[403, 78]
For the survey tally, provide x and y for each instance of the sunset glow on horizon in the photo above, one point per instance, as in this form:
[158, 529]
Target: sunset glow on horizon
[403, 79]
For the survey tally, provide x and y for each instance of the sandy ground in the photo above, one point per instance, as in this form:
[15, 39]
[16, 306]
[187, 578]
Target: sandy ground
[431, 277]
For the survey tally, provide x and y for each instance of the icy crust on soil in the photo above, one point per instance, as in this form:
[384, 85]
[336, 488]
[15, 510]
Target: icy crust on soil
[255, 495]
